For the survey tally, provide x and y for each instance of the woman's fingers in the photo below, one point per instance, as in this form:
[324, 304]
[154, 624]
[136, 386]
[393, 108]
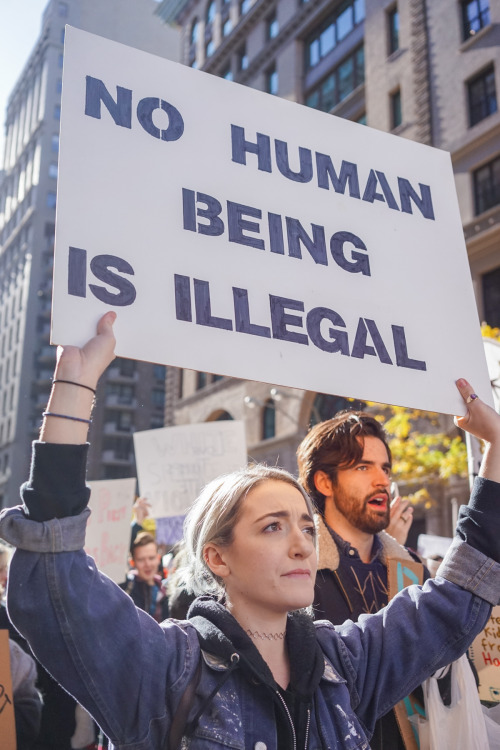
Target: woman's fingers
[480, 419]
[87, 364]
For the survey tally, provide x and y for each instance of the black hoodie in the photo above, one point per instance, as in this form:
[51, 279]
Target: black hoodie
[220, 634]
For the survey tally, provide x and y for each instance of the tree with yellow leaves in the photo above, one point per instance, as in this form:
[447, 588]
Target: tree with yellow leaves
[422, 453]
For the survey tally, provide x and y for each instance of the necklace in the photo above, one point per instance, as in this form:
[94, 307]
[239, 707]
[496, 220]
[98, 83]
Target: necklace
[266, 636]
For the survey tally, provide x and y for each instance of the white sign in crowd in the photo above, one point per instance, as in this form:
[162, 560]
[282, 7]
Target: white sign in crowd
[107, 538]
[242, 234]
[175, 463]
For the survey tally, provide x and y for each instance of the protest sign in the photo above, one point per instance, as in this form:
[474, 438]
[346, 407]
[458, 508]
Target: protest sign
[174, 463]
[108, 529]
[485, 653]
[7, 720]
[246, 235]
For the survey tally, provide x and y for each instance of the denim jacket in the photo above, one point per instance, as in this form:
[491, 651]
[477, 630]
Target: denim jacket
[130, 672]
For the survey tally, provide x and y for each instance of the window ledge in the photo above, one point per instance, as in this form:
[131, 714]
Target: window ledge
[399, 130]
[471, 41]
[396, 54]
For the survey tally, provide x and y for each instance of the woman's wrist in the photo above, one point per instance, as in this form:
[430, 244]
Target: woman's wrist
[68, 413]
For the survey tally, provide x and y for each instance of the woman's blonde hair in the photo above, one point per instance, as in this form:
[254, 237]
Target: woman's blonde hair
[213, 516]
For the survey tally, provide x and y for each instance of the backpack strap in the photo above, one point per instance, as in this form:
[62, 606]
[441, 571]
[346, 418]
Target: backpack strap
[179, 721]
[180, 726]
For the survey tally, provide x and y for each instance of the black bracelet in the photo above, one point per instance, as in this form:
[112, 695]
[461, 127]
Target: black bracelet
[72, 382]
[66, 416]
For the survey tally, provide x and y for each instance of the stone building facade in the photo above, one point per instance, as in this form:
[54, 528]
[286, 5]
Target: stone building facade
[420, 69]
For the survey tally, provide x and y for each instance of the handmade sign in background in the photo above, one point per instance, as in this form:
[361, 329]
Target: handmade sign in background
[242, 234]
[485, 653]
[108, 529]
[174, 463]
[7, 719]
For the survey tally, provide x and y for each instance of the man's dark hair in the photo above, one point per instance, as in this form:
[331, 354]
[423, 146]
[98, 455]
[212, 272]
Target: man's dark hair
[142, 538]
[335, 444]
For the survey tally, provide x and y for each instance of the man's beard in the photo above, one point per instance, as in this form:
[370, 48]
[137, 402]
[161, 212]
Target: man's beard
[359, 514]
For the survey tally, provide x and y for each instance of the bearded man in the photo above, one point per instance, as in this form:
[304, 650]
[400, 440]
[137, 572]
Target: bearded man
[345, 465]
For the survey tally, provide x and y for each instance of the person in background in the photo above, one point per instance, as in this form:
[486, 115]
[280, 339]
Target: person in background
[179, 598]
[345, 466]
[143, 583]
[5, 553]
[26, 698]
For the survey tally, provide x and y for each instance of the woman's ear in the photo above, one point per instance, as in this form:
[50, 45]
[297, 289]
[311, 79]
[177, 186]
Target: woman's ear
[214, 558]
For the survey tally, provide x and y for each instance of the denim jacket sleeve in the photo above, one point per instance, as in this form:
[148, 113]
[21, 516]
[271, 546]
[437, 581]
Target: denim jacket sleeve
[385, 656]
[124, 668]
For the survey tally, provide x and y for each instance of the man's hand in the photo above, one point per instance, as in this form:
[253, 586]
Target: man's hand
[401, 519]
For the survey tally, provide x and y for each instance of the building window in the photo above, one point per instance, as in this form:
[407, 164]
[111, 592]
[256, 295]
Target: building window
[159, 372]
[210, 12]
[227, 28]
[245, 6]
[272, 26]
[326, 406]
[201, 380]
[62, 35]
[475, 16]
[228, 74]
[62, 9]
[195, 29]
[158, 397]
[126, 367]
[224, 416]
[268, 420]
[272, 81]
[53, 171]
[156, 422]
[487, 186]
[124, 420]
[339, 83]
[491, 297]
[361, 119]
[60, 60]
[57, 112]
[51, 200]
[393, 29]
[55, 144]
[482, 96]
[336, 27]
[242, 58]
[210, 48]
[59, 86]
[396, 109]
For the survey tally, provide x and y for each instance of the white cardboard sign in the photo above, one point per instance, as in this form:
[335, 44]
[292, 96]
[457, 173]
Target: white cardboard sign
[174, 463]
[485, 653]
[242, 234]
[108, 529]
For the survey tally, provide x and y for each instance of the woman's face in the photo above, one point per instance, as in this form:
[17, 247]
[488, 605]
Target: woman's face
[270, 566]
